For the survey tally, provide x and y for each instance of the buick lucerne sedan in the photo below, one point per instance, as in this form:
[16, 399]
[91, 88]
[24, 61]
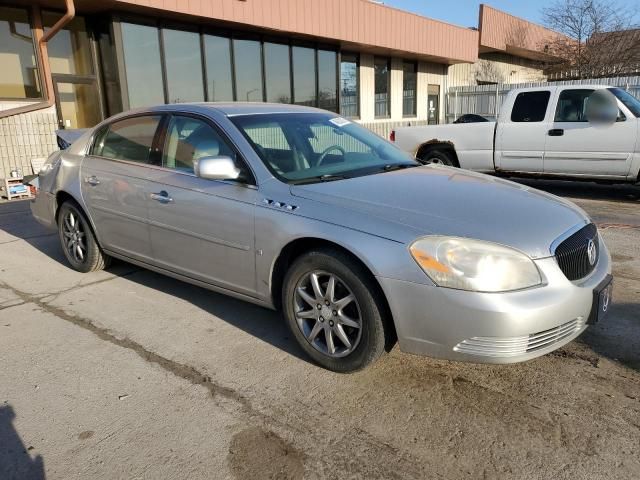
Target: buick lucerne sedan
[359, 245]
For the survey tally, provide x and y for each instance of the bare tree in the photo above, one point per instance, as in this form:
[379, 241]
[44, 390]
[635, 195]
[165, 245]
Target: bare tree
[599, 38]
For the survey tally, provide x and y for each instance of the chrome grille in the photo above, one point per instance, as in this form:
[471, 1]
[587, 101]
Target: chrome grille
[573, 253]
[514, 346]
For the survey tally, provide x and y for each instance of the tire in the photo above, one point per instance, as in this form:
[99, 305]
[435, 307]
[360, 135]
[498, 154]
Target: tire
[367, 343]
[77, 240]
[439, 157]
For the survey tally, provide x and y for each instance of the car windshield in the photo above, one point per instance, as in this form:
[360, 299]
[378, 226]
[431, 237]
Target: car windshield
[629, 101]
[315, 147]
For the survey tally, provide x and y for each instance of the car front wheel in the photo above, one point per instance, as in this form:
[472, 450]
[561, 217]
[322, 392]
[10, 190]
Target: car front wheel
[334, 310]
[77, 240]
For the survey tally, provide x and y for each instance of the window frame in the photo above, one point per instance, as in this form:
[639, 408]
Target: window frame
[36, 53]
[546, 111]
[157, 146]
[231, 34]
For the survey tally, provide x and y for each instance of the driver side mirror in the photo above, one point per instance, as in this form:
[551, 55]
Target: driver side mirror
[601, 108]
[216, 168]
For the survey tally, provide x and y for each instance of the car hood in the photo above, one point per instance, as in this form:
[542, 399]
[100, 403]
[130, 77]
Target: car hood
[405, 204]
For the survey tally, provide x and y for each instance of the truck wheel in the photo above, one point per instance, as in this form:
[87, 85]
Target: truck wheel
[439, 157]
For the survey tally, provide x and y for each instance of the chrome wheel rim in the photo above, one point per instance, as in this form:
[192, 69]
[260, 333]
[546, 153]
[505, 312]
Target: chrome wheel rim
[327, 313]
[74, 237]
[435, 161]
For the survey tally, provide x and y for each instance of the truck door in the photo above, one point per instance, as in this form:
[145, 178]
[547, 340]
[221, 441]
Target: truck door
[520, 136]
[576, 147]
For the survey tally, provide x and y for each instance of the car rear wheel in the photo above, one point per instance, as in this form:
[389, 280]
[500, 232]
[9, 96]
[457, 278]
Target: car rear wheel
[334, 311]
[78, 242]
[439, 157]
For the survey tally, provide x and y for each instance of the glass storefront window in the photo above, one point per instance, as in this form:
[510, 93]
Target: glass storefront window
[349, 87]
[409, 88]
[183, 63]
[19, 71]
[304, 76]
[141, 48]
[382, 80]
[248, 66]
[327, 78]
[217, 52]
[70, 49]
[277, 73]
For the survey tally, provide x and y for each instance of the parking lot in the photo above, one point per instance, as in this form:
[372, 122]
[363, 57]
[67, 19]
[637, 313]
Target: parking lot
[128, 374]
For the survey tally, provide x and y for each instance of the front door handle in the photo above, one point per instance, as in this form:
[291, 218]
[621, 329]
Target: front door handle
[556, 132]
[162, 197]
[92, 180]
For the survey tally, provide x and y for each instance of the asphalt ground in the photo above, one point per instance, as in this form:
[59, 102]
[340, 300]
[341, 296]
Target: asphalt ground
[128, 374]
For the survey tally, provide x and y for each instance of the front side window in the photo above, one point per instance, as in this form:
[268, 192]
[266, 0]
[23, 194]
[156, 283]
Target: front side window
[189, 139]
[530, 106]
[315, 147]
[572, 105]
[382, 71]
[19, 72]
[130, 139]
[143, 69]
[409, 88]
[183, 64]
[349, 85]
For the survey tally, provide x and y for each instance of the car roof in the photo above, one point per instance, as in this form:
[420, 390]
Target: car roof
[552, 86]
[231, 109]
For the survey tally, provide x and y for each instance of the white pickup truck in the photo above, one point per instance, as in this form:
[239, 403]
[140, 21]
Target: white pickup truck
[540, 131]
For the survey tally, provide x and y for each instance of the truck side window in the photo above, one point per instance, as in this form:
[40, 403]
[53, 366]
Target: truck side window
[571, 105]
[530, 106]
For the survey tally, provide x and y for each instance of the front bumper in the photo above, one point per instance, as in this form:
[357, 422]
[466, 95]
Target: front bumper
[494, 327]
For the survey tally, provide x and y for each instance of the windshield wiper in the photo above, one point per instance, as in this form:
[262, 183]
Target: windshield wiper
[319, 178]
[398, 166]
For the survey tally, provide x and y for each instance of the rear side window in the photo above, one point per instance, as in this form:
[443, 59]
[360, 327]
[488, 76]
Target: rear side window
[530, 106]
[129, 139]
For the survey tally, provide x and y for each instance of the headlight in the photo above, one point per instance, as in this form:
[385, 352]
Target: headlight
[474, 265]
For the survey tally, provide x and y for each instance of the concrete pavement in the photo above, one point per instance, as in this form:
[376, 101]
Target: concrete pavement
[129, 374]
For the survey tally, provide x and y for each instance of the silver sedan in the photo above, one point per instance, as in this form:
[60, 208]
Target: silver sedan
[359, 245]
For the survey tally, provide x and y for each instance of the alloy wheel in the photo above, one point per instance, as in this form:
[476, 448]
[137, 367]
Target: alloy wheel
[74, 236]
[327, 313]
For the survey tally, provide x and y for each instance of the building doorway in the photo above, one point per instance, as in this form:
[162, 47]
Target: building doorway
[433, 104]
[78, 102]
[72, 57]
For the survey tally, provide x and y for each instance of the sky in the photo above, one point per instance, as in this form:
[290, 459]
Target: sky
[465, 12]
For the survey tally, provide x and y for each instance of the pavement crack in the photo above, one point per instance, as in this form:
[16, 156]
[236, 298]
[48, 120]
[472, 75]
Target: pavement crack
[5, 307]
[180, 370]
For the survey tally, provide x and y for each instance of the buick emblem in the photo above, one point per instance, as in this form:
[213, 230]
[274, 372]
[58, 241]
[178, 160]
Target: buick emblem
[592, 253]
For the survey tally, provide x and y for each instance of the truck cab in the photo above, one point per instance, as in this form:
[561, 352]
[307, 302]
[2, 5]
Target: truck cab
[540, 131]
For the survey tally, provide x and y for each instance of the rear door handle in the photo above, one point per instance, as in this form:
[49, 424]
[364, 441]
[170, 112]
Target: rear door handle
[162, 197]
[556, 132]
[92, 180]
